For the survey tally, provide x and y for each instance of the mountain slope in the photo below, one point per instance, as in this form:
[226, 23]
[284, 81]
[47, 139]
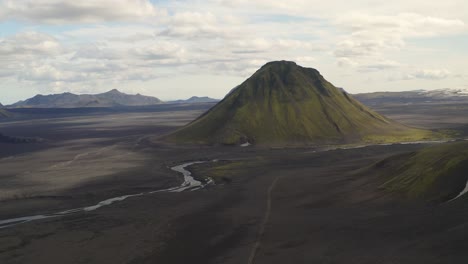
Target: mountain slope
[112, 98]
[283, 103]
[4, 113]
[437, 173]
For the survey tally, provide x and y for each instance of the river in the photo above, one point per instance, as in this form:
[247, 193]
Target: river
[189, 184]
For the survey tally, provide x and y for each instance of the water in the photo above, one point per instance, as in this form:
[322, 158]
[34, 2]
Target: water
[189, 183]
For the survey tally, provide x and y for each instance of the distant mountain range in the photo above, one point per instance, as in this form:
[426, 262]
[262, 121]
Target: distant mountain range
[195, 99]
[113, 98]
[413, 97]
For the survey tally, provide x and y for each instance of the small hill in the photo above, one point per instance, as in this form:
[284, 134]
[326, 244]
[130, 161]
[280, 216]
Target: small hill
[113, 98]
[435, 174]
[284, 103]
[195, 100]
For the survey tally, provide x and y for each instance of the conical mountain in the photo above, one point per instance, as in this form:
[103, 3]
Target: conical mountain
[283, 103]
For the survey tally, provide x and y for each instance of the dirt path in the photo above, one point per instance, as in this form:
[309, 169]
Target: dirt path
[262, 227]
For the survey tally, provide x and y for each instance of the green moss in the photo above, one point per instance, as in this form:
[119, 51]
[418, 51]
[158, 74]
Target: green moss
[283, 103]
[435, 173]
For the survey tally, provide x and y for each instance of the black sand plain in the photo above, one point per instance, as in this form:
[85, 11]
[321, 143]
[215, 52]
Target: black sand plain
[269, 205]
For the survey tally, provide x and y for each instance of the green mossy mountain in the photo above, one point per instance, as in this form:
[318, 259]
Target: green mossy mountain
[434, 174]
[282, 104]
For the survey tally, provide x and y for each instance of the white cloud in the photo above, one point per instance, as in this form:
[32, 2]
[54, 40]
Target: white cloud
[346, 62]
[230, 39]
[432, 74]
[97, 52]
[423, 74]
[372, 35]
[48, 73]
[333, 9]
[159, 50]
[29, 43]
[197, 25]
[403, 24]
[82, 11]
[264, 45]
[121, 33]
[379, 66]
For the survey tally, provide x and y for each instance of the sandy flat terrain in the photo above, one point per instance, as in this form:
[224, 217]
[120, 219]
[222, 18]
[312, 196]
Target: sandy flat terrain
[300, 205]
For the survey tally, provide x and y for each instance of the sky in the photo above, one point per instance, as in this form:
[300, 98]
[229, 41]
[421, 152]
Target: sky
[181, 48]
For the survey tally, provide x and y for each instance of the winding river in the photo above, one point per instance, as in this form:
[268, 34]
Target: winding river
[189, 184]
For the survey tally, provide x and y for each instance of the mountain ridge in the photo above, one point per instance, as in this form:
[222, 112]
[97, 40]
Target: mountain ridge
[413, 97]
[112, 98]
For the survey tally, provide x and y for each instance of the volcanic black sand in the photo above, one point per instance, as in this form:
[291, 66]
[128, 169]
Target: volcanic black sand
[269, 205]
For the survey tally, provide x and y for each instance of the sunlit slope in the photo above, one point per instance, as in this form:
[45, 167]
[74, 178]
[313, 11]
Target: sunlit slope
[283, 103]
[436, 173]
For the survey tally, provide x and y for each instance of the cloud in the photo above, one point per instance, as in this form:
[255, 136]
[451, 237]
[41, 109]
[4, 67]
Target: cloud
[382, 65]
[264, 45]
[372, 35]
[48, 73]
[161, 51]
[83, 11]
[366, 45]
[20, 50]
[403, 24]
[346, 62]
[197, 25]
[145, 45]
[333, 9]
[96, 52]
[430, 74]
[29, 43]
[120, 33]
[424, 74]
[370, 41]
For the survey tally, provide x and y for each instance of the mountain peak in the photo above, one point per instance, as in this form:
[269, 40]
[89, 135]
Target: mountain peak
[288, 70]
[286, 65]
[280, 63]
[284, 103]
[114, 91]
